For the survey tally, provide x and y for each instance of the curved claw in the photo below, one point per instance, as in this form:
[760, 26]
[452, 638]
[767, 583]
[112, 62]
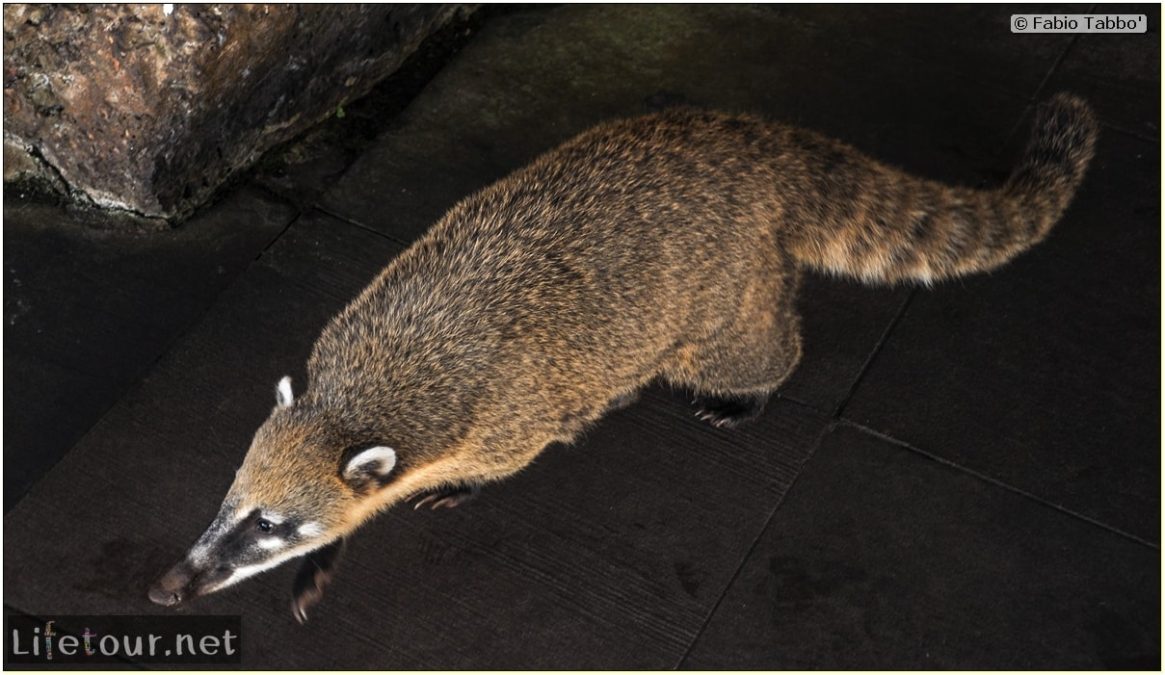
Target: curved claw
[448, 498]
[314, 574]
[727, 412]
[300, 604]
[446, 503]
[425, 500]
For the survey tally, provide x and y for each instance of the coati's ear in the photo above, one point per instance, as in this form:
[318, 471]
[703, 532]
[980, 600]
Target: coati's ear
[371, 466]
[283, 394]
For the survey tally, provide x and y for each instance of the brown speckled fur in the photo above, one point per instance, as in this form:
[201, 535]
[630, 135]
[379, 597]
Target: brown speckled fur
[667, 246]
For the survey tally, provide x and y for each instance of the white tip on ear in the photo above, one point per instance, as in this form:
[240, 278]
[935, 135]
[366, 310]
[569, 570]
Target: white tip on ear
[283, 394]
[377, 462]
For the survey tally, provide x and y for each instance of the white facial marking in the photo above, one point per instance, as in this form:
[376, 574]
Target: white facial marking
[276, 560]
[198, 554]
[312, 529]
[249, 571]
[273, 518]
[283, 394]
[378, 461]
[271, 543]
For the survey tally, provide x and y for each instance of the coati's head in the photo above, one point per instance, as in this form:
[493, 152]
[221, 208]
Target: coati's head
[301, 487]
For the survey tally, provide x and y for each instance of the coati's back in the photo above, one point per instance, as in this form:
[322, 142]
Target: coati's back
[662, 245]
[536, 300]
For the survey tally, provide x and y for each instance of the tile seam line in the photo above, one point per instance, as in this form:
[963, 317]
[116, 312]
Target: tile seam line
[32, 354]
[134, 383]
[839, 409]
[825, 431]
[355, 223]
[273, 195]
[1056, 64]
[997, 483]
[1034, 99]
[1116, 128]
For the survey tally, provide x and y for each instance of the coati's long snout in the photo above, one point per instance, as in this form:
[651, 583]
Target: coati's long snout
[667, 247]
[187, 580]
[242, 541]
[181, 583]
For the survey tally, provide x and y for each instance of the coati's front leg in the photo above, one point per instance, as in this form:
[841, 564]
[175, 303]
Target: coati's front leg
[315, 572]
[319, 566]
[448, 497]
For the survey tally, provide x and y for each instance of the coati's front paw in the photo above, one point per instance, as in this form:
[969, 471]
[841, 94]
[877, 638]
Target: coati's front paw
[729, 411]
[314, 574]
[448, 497]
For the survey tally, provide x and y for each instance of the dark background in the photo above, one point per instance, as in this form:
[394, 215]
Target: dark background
[963, 476]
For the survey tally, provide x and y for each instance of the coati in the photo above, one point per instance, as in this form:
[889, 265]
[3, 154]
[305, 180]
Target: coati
[667, 246]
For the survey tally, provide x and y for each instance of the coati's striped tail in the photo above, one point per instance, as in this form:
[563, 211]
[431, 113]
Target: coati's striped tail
[894, 227]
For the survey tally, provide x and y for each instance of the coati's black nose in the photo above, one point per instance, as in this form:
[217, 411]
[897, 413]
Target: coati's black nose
[171, 588]
[160, 596]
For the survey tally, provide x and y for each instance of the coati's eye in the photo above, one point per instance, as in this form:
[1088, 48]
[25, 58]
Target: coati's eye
[264, 525]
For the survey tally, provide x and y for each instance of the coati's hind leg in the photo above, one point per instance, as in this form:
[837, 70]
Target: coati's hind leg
[729, 411]
[734, 372]
[738, 372]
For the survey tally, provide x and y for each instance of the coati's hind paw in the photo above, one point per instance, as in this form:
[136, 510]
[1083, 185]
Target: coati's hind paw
[729, 411]
[448, 497]
[315, 573]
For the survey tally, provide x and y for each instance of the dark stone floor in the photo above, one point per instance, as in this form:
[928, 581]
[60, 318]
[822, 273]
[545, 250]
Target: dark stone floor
[966, 476]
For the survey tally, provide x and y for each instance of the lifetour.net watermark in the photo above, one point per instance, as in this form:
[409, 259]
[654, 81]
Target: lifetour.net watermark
[97, 640]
